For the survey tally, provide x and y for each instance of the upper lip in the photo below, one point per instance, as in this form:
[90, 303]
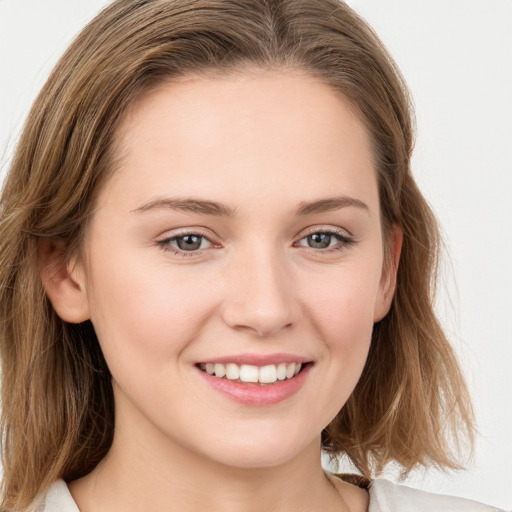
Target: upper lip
[258, 359]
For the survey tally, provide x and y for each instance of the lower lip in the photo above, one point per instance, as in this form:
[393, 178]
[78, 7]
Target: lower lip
[256, 394]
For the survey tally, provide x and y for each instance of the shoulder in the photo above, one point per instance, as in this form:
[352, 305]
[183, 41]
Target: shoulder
[56, 499]
[386, 496]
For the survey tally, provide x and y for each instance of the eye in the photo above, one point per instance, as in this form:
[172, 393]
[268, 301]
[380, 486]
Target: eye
[191, 243]
[326, 240]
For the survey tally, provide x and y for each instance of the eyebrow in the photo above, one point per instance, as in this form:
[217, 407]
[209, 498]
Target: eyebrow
[201, 206]
[205, 207]
[330, 204]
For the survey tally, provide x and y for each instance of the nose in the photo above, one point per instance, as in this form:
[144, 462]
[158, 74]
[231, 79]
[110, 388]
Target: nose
[261, 296]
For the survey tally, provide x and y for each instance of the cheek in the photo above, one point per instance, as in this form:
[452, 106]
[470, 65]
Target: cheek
[343, 315]
[343, 304]
[341, 308]
[144, 315]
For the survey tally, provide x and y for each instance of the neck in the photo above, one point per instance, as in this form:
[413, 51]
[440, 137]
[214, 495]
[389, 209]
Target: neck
[146, 469]
[138, 477]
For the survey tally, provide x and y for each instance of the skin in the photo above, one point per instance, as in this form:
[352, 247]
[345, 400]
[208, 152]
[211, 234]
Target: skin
[262, 143]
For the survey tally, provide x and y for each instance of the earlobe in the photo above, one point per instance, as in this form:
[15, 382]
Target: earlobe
[387, 284]
[63, 281]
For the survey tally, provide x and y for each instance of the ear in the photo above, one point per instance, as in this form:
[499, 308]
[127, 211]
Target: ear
[387, 283]
[63, 281]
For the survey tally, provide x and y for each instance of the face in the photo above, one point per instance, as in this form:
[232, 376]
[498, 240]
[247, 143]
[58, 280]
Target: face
[240, 232]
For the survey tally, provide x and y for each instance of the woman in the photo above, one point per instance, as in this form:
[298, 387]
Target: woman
[215, 263]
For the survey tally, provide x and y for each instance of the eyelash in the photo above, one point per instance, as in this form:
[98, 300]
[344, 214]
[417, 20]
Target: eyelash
[165, 244]
[344, 241]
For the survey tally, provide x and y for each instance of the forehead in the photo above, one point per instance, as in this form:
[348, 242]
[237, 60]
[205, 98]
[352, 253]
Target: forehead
[252, 131]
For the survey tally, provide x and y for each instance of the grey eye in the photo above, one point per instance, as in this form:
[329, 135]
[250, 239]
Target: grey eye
[320, 240]
[189, 242]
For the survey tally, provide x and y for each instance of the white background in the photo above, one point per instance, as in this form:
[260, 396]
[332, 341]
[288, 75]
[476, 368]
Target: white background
[457, 58]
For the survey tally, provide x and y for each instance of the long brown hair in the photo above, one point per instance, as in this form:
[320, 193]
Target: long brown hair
[57, 399]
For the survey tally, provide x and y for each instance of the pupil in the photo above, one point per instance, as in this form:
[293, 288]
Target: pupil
[319, 240]
[189, 242]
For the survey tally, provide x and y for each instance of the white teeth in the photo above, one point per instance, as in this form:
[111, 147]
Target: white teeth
[220, 370]
[290, 370]
[232, 371]
[249, 373]
[268, 374]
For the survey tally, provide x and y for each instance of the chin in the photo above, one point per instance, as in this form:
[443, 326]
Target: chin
[255, 459]
[252, 452]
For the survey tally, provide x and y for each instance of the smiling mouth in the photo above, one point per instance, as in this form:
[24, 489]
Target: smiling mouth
[251, 374]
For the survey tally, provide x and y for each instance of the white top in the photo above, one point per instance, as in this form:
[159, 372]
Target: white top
[385, 496]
